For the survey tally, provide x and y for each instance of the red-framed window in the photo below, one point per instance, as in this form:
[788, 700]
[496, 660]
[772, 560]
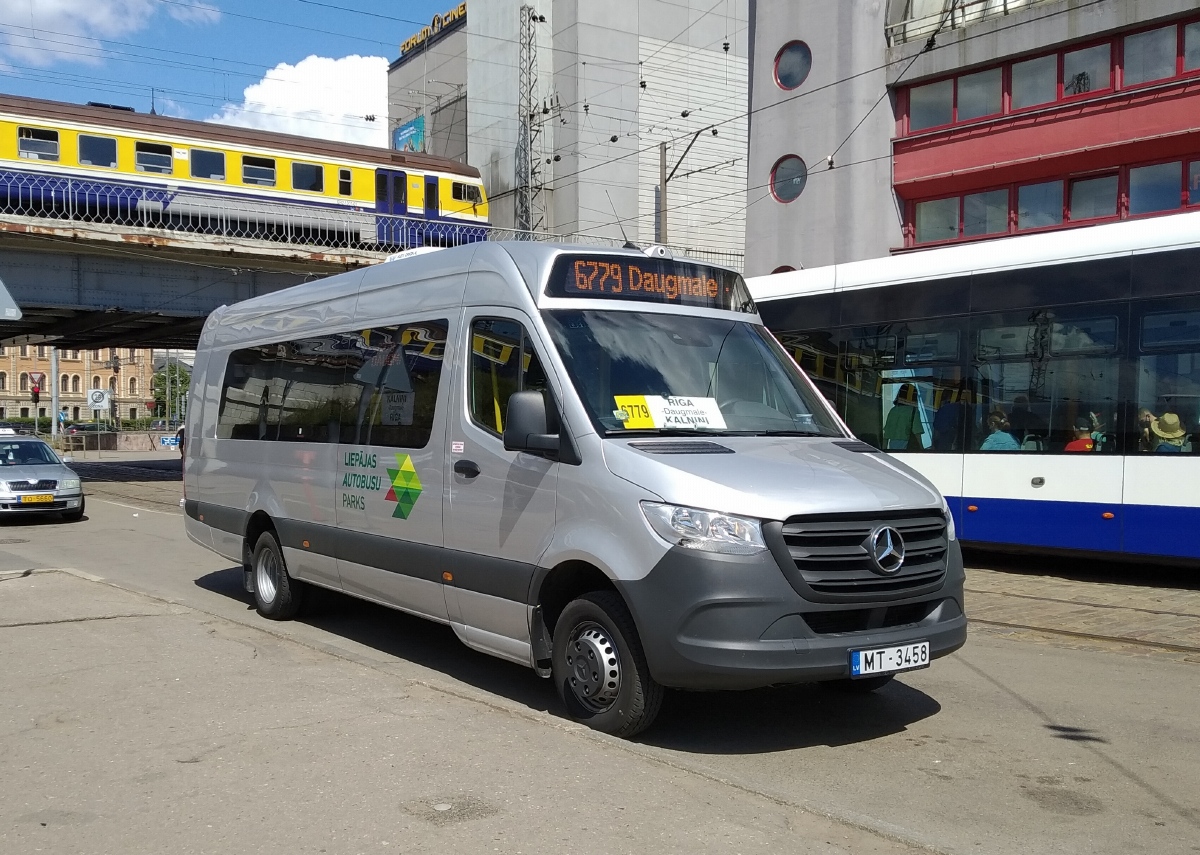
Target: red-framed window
[1131, 191]
[1145, 57]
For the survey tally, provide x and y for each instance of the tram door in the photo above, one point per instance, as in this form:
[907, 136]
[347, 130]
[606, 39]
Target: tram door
[391, 200]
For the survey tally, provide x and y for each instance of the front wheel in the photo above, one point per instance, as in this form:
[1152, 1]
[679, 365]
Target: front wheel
[276, 594]
[599, 667]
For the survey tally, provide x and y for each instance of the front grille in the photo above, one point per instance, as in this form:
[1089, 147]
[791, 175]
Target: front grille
[832, 555]
[25, 486]
[859, 620]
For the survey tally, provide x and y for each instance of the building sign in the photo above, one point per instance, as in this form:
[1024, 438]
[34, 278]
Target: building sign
[439, 23]
[410, 136]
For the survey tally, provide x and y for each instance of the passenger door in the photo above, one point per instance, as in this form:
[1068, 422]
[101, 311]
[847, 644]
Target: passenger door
[390, 466]
[391, 200]
[500, 516]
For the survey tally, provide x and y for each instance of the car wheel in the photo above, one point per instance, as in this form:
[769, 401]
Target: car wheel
[599, 667]
[276, 594]
[75, 515]
[861, 686]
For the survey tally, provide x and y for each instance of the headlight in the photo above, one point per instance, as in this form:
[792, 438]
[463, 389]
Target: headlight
[707, 531]
[950, 533]
[68, 484]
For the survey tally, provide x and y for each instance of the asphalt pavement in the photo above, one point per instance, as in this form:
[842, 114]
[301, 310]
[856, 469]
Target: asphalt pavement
[145, 707]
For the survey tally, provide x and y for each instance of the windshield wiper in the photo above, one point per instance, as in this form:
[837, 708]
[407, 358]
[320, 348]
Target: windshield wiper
[819, 433]
[669, 432]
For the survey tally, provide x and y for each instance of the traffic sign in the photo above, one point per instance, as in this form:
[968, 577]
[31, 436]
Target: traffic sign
[98, 399]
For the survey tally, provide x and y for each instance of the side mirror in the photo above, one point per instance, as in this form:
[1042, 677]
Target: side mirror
[526, 427]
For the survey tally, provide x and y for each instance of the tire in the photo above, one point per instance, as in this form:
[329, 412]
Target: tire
[592, 628]
[75, 515]
[276, 594]
[863, 686]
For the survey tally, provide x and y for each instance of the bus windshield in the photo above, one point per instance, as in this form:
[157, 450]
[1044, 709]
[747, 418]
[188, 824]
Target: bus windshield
[659, 373]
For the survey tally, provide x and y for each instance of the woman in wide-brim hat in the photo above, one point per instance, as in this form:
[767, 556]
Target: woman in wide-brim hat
[1169, 430]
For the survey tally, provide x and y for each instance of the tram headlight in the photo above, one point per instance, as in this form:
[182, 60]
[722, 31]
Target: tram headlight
[950, 532]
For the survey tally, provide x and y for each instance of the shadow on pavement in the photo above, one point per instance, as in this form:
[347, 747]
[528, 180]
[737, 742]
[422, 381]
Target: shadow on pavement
[762, 720]
[1091, 568]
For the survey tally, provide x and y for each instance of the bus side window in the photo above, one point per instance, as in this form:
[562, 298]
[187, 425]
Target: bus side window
[502, 362]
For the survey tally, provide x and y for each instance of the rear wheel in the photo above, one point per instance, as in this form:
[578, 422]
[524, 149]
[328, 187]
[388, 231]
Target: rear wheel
[276, 594]
[599, 667]
[860, 687]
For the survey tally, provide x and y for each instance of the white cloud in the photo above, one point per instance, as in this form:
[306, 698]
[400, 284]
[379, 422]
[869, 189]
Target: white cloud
[318, 97]
[44, 32]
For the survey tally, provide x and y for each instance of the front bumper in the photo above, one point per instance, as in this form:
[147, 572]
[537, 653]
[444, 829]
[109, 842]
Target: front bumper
[731, 622]
[12, 504]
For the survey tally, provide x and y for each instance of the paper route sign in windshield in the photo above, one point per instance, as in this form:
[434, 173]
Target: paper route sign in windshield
[674, 411]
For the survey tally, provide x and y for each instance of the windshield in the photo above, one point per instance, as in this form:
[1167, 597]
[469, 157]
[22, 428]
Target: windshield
[26, 454]
[641, 372]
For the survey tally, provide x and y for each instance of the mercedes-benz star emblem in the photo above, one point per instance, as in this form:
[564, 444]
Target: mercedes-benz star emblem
[887, 550]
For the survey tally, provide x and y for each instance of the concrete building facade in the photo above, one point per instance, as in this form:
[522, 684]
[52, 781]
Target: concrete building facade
[613, 81]
[888, 125]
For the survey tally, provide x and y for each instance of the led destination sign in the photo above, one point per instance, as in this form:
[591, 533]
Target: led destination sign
[651, 280]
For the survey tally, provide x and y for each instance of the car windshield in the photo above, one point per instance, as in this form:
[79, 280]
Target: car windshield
[26, 454]
[667, 373]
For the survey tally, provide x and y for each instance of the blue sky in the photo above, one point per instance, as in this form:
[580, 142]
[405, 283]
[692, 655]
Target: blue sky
[316, 67]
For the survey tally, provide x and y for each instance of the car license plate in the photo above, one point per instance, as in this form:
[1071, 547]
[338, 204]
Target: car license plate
[37, 500]
[888, 660]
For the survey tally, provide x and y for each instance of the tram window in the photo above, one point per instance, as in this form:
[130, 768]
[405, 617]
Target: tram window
[259, 171]
[1155, 188]
[381, 188]
[1171, 329]
[1093, 335]
[97, 151]
[208, 164]
[152, 157]
[308, 176]
[1053, 383]
[466, 193]
[931, 347]
[37, 143]
[344, 182]
[1094, 197]
[1040, 205]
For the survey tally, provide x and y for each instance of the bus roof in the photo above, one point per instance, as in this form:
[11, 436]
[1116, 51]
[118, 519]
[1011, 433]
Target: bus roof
[1154, 234]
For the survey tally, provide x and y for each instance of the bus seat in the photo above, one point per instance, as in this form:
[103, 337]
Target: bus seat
[1032, 442]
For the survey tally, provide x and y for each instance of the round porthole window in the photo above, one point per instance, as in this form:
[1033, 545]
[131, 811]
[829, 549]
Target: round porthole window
[788, 178]
[792, 64]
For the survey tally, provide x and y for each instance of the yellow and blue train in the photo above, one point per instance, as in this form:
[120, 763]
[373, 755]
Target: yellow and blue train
[111, 164]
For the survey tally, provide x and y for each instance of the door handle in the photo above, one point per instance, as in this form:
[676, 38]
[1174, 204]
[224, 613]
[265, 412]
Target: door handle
[467, 468]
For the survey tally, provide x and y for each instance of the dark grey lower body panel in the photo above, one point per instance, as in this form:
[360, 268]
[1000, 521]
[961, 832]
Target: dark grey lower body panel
[730, 622]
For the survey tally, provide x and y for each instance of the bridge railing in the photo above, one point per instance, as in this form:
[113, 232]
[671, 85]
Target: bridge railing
[254, 222]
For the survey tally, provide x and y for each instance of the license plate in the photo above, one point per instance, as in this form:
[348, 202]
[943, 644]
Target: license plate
[888, 660]
[37, 500]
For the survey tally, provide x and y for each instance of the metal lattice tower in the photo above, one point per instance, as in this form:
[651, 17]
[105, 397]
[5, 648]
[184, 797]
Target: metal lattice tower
[530, 199]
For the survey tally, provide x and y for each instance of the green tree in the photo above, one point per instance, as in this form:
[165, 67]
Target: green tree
[181, 380]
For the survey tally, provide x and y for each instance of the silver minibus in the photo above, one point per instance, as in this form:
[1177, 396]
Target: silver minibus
[593, 462]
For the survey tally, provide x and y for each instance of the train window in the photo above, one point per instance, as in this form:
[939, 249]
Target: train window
[344, 182]
[152, 157]
[37, 144]
[1173, 329]
[466, 193]
[258, 170]
[97, 151]
[308, 176]
[208, 164]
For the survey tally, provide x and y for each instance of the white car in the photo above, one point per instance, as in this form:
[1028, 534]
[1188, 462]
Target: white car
[33, 479]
